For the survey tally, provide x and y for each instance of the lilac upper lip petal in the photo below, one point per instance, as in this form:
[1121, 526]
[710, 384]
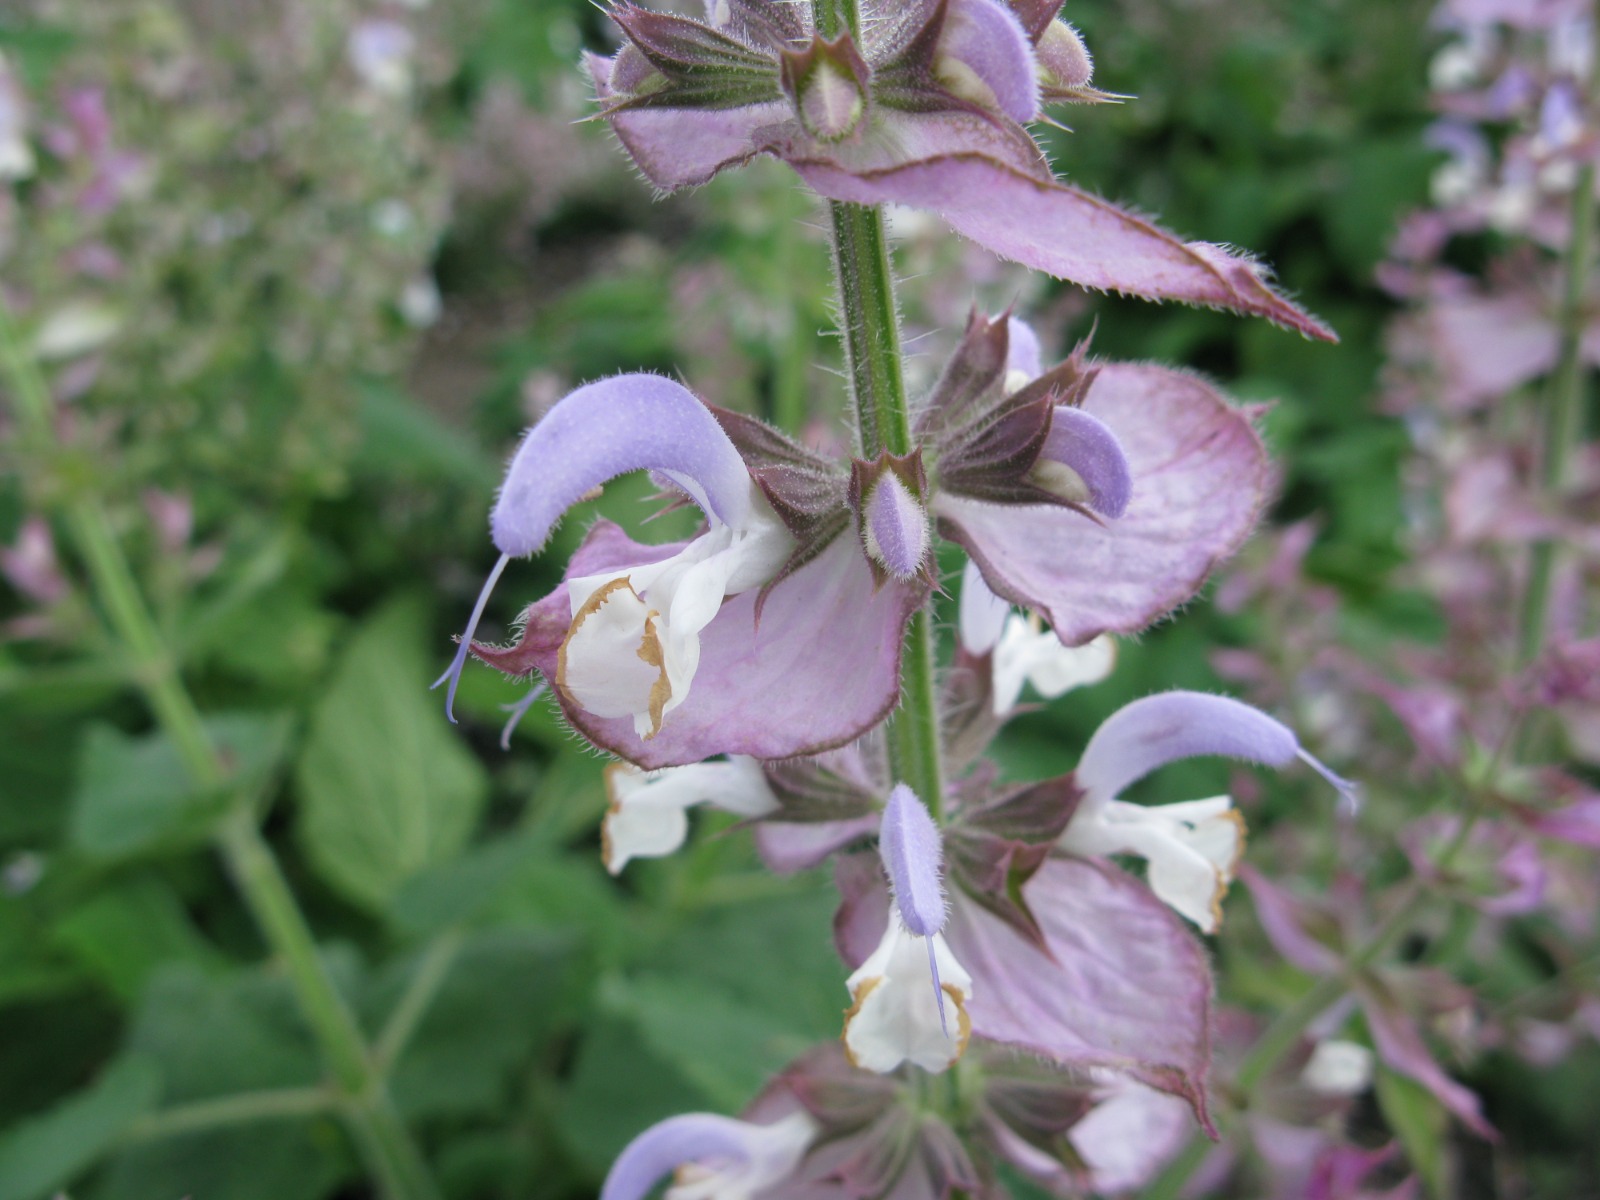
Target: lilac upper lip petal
[608, 428]
[665, 1147]
[1159, 729]
[909, 843]
[986, 38]
[1087, 445]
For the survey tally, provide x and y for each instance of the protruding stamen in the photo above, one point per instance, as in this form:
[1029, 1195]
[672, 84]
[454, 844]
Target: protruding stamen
[453, 672]
[519, 710]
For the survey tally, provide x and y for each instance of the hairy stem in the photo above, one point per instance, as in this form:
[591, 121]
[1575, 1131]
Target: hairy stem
[386, 1147]
[871, 326]
[835, 16]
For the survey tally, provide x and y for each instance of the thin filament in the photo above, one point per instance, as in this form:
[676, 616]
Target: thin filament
[453, 672]
[938, 988]
[518, 710]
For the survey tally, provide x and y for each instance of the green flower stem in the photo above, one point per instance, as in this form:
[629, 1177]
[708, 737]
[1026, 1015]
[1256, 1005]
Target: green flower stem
[1561, 418]
[385, 1144]
[430, 975]
[870, 323]
[871, 326]
[241, 1109]
[833, 16]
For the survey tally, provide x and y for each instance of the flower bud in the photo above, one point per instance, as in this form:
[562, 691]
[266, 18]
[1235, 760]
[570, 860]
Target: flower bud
[827, 81]
[892, 521]
[1083, 462]
[1064, 62]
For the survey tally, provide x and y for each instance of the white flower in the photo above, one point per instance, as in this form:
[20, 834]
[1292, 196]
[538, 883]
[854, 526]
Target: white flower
[75, 328]
[1192, 848]
[1030, 652]
[648, 813]
[1025, 650]
[1338, 1068]
[634, 645]
[16, 155]
[894, 1016]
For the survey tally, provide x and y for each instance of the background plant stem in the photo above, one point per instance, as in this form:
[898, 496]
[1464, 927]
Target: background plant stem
[1562, 411]
[385, 1145]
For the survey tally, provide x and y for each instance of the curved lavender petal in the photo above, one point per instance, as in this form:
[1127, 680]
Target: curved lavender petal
[1289, 922]
[909, 844]
[1159, 729]
[608, 428]
[821, 668]
[1125, 985]
[1023, 353]
[666, 1146]
[1086, 445]
[679, 148]
[987, 38]
[1067, 233]
[1202, 477]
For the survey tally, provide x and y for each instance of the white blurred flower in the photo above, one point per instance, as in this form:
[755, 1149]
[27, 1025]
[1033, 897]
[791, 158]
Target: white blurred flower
[420, 303]
[75, 328]
[16, 155]
[1338, 1068]
[381, 52]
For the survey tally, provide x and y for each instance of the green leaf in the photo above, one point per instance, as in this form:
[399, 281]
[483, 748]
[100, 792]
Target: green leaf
[43, 1153]
[127, 930]
[30, 966]
[404, 440]
[389, 788]
[217, 1036]
[618, 1088]
[514, 881]
[773, 955]
[36, 768]
[1420, 1122]
[134, 795]
[725, 1048]
[493, 1010]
